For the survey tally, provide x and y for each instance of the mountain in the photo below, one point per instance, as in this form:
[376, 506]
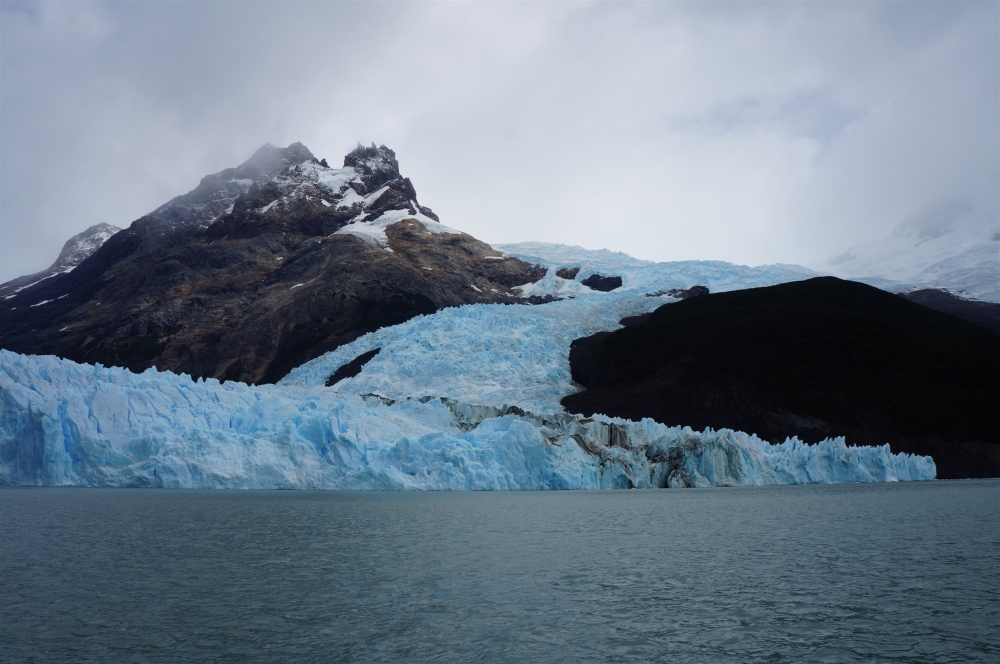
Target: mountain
[259, 269]
[947, 247]
[336, 284]
[75, 251]
[365, 416]
[813, 359]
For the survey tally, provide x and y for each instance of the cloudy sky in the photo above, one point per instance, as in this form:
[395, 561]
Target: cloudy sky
[776, 132]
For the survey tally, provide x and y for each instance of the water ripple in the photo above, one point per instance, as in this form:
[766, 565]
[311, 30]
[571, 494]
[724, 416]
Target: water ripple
[847, 573]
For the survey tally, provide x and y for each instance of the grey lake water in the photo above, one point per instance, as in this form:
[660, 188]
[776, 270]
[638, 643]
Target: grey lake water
[836, 573]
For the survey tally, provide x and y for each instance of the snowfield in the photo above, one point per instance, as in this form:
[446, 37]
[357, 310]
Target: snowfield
[948, 247]
[63, 423]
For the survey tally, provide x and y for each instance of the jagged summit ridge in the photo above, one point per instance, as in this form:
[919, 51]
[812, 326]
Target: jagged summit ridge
[293, 184]
[374, 165]
[371, 159]
[217, 193]
[321, 200]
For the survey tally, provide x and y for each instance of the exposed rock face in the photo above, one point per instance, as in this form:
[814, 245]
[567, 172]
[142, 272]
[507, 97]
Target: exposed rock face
[352, 368]
[260, 268]
[568, 272]
[77, 249]
[681, 293]
[601, 283]
[815, 359]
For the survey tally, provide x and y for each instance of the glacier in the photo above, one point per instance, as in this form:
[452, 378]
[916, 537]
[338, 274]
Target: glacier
[63, 423]
[466, 398]
[519, 355]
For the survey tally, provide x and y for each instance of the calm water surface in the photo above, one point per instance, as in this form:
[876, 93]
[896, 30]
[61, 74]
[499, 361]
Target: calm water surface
[847, 573]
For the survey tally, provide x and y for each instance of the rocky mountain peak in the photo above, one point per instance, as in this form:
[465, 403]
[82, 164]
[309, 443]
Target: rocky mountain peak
[76, 250]
[374, 165]
[270, 160]
[82, 245]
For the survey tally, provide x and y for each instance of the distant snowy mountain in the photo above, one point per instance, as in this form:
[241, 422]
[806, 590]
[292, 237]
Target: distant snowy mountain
[77, 249]
[947, 247]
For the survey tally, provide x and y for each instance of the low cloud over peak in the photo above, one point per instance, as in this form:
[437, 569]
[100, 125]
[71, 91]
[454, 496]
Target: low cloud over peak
[749, 133]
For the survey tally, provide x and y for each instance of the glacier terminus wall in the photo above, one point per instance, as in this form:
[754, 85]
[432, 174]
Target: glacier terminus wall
[63, 423]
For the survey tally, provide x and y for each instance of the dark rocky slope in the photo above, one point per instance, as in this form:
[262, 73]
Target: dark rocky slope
[245, 277]
[816, 358]
[601, 283]
[983, 314]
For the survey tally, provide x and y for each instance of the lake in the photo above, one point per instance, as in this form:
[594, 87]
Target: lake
[904, 572]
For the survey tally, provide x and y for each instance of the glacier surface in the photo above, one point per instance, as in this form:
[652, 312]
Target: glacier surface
[63, 423]
[519, 355]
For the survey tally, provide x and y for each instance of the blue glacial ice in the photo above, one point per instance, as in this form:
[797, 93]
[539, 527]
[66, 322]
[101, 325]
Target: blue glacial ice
[519, 355]
[63, 423]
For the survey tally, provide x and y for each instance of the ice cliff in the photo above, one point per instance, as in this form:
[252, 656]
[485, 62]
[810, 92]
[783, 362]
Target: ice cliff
[63, 423]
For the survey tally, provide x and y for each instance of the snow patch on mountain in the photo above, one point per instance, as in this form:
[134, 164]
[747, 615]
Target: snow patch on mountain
[63, 423]
[334, 179]
[349, 198]
[374, 230]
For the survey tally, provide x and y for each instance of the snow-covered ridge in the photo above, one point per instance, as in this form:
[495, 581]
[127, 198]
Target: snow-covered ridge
[297, 176]
[948, 246]
[76, 250]
[63, 423]
[338, 189]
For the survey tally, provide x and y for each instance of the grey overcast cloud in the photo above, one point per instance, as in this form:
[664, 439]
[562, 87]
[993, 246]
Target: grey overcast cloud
[752, 133]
